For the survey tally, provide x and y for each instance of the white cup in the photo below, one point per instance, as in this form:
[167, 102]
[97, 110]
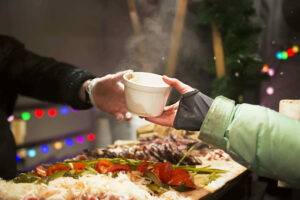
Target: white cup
[146, 94]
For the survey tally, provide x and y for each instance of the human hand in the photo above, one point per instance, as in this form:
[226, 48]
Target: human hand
[168, 116]
[107, 94]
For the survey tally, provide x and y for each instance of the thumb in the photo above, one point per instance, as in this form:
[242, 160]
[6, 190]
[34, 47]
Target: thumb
[178, 85]
[119, 75]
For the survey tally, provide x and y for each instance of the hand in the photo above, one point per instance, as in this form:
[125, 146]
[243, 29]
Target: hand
[168, 116]
[107, 94]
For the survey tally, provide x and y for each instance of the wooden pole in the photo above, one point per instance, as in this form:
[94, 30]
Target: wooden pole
[176, 36]
[218, 51]
[136, 27]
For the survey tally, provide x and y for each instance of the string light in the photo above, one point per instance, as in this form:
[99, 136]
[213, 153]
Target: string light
[80, 139]
[283, 55]
[45, 149]
[270, 90]
[75, 111]
[31, 153]
[57, 145]
[39, 113]
[91, 137]
[52, 112]
[69, 142]
[26, 116]
[64, 110]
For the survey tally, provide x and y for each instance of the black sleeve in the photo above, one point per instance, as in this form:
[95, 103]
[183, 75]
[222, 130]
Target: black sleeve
[192, 110]
[40, 77]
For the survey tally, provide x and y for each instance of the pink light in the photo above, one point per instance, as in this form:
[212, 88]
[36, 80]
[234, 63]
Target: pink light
[11, 118]
[270, 90]
[271, 72]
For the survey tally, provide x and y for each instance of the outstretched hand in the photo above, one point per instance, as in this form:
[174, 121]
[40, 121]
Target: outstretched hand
[108, 95]
[168, 116]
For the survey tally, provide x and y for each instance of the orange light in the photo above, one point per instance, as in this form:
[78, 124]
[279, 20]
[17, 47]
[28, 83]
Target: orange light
[265, 68]
[57, 145]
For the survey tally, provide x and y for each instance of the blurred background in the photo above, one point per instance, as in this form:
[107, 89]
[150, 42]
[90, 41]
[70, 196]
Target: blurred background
[246, 50]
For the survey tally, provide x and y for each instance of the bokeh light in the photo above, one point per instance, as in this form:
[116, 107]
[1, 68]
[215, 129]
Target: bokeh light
[52, 112]
[10, 118]
[18, 158]
[265, 68]
[39, 113]
[57, 145]
[69, 142]
[75, 111]
[45, 149]
[25, 116]
[295, 49]
[64, 110]
[284, 55]
[31, 153]
[279, 55]
[270, 90]
[80, 139]
[271, 72]
[91, 137]
[290, 52]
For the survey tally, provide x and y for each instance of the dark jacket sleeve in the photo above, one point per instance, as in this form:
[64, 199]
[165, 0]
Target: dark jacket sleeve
[192, 110]
[39, 77]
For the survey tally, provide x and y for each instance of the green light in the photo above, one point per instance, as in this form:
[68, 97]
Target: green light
[26, 116]
[284, 55]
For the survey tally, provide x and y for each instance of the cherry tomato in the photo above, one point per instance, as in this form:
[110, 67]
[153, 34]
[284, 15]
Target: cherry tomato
[102, 166]
[156, 168]
[119, 167]
[79, 166]
[181, 177]
[56, 168]
[165, 172]
[40, 171]
[144, 166]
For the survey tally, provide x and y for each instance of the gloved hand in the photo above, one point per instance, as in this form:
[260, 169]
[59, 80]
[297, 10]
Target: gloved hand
[107, 94]
[168, 116]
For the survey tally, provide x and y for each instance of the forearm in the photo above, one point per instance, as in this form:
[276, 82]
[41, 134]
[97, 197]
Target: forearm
[259, 138]
[44, 78]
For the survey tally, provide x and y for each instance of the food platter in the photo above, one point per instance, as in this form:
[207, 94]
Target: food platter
[160, 165]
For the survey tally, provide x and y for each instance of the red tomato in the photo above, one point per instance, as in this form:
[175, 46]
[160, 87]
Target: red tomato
[165, 172]
[79, 166]
[40, 171]
[181, 177]
[156, 168]
[56, 168]
[102, 166]
[119, 167]
[144, 166]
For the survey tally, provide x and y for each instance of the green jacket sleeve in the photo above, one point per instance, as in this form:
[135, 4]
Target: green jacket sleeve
[259, 138]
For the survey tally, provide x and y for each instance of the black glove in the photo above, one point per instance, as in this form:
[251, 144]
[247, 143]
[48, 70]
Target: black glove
[192, 110]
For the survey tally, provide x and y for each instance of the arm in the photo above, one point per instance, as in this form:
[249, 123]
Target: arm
[49, 80]
[41, 77]
[259, 138]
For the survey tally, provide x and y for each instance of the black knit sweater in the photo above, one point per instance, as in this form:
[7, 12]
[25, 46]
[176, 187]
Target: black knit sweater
[23, 72]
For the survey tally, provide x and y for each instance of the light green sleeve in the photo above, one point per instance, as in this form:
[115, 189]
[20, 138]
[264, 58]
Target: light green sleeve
[257, 137]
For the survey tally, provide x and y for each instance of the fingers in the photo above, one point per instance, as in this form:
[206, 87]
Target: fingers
[178, 85]
[119, 75]
[119, 117]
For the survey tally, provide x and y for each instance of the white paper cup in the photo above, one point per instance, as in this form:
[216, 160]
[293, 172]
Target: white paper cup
[146, 94]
